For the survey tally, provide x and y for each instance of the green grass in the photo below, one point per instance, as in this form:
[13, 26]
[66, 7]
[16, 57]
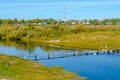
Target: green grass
[13, 68]
[78, 36]
[93, 40]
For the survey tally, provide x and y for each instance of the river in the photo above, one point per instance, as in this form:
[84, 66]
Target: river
[94, 67]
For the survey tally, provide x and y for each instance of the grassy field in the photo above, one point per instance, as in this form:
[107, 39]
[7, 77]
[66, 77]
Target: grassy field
[94, 40]
[106, 38]
[13, 68]
[77, 36]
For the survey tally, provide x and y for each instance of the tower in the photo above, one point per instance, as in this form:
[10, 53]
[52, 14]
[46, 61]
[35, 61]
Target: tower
[65, 14]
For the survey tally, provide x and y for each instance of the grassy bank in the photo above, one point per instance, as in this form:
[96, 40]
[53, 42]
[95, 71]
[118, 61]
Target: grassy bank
[12, 68]
[78, 36]
[94, 40]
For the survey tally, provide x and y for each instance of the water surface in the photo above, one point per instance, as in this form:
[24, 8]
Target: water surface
[94, 67]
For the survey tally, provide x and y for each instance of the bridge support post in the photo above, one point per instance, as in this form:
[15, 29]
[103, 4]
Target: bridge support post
[35, 57]
[48, 56]
[86, 53]
[74, 54]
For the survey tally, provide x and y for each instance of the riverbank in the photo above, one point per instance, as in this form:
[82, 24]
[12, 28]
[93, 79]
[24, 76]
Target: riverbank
[91, 41]
[13, 68]
[79, 36]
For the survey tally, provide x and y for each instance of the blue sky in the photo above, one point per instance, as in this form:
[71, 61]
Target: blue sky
[79, 9]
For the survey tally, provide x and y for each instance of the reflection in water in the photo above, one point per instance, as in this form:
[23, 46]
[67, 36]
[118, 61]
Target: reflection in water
[94, 67]
[20, 45]
[18, 48]
[48, 48]
[31, 46]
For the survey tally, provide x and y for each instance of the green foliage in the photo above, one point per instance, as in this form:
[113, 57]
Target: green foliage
[22, 21]
[38, 21]
[80, 36]
[7, 21]
[15, 21]
[0, 21]
[49, 31]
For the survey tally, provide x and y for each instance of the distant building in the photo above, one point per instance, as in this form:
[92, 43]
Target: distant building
[32, 23]
[44, 23]
[73, 23]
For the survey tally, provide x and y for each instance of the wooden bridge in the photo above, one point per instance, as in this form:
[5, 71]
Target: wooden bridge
[63, 55]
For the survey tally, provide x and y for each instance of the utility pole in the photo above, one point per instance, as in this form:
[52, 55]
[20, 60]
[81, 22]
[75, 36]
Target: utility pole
[75, 20]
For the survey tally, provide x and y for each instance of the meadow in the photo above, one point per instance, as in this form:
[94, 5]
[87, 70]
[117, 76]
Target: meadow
[76, 36]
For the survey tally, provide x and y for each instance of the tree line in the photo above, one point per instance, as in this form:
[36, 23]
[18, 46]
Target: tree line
[38, 21]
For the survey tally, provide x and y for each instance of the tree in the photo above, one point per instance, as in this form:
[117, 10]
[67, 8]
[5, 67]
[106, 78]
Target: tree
[22, 21]
[51, 21]
[37, 20]
[96, 22]
[15, 20]
[105, 21]
[0, 21]
[118, 21]
[7, 21]
[113, 21]
[91, 21]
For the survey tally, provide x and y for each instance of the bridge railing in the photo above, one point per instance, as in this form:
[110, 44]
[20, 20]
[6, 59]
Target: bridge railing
[63, 55]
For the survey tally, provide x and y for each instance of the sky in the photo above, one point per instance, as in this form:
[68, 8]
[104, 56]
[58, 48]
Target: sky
[75, 9]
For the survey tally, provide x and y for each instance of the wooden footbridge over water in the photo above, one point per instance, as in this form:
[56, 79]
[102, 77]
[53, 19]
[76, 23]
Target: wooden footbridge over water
[64, 55]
